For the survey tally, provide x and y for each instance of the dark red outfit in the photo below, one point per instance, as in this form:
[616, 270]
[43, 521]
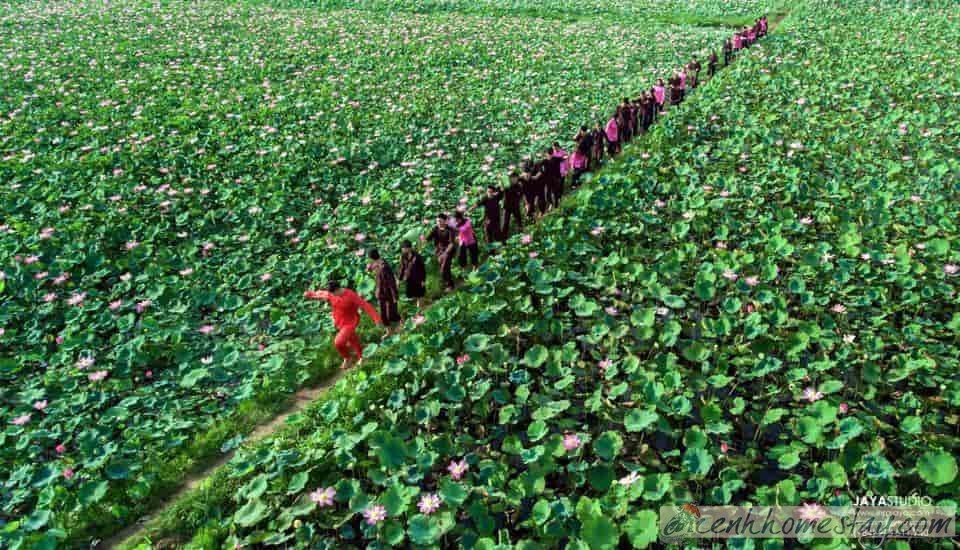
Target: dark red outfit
[346, 316]
[491, 216]
[444, 242]
[386, 293]
[554, 180]
[511, 205]
[413, 271]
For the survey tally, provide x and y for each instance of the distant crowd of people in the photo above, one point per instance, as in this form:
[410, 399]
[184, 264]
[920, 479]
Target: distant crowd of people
[533, 189]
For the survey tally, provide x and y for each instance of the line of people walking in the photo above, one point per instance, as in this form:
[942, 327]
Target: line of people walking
[532, 190]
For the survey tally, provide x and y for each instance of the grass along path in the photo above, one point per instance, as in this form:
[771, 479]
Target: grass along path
[298, 402]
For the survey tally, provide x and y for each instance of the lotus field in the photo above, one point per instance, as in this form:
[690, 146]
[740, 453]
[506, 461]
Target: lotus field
[756, 303]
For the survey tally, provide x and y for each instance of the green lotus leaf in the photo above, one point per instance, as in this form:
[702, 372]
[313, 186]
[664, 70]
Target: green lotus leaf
[937, 468]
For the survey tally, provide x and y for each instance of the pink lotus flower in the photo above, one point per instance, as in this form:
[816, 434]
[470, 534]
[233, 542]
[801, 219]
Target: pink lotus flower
[187, 271]
[839, 308]
[457, 469]
[730, 275]
[801, 101]
[60, 448]
[659, 203]
[571, 442]
[534, 254]
[115, 305]
[596, 231]
[951, 269]
[374, 514]
[31, 259]
[812, 512]
[849, 338]
[428, 504]
[526, 239]
[40, 405]
[206, 329]
[98, 376]
[721, 245]
[605, 364]
[132, 244]
[811, 395]
[724, 447]
[629, 479]
[59, 339]
[265, 277]
[843, 408]
[323, 497]
[418, 320]
[148, 375]
[806, 220]
[84, 362]
[49, 297]
[40, 275]
[77, 298]
[915, 198]
[68, 473]
[752, 280]
[463, 359]
[360, 237]
[126, 277]
[143, 305]
[21, 420]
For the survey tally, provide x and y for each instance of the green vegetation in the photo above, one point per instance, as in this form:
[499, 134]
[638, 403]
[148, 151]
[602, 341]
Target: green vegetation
[756, 303]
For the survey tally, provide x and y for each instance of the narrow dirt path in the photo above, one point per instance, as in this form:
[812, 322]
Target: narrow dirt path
[301, 400]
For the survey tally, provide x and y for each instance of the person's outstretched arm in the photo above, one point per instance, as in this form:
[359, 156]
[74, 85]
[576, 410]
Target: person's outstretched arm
[317, 295]
[369, 309]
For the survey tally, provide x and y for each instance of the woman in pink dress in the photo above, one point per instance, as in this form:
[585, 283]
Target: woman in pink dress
[659, 94]
[467, 240]
[577, 164]
[612, 133]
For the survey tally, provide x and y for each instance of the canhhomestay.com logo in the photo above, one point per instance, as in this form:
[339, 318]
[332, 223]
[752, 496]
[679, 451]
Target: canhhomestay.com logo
[807, 521]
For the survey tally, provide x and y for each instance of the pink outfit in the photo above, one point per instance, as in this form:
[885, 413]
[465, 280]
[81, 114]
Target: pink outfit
[612, 130]
[577, 160]
[465, 231]
[660, 94]
[560, 153]
[736, 42]
[683, 80]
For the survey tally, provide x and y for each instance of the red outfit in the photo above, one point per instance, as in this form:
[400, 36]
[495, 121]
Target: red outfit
[346, 317]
